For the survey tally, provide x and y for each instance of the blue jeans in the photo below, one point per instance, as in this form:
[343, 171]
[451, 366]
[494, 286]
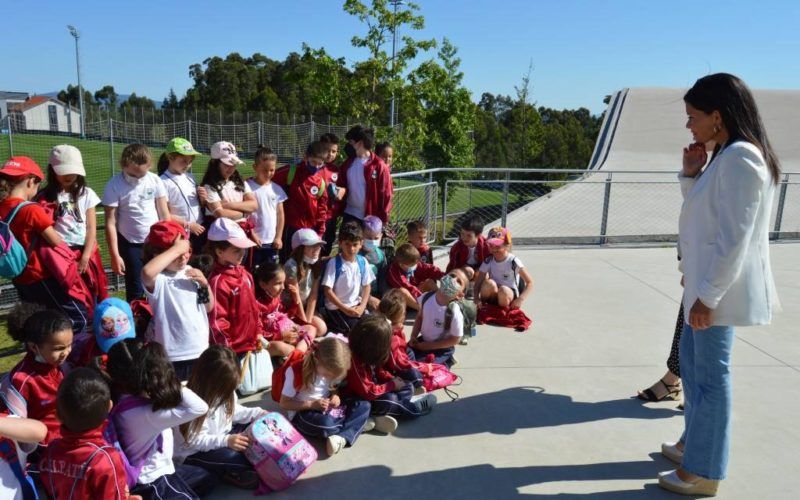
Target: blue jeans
[440, 356]
[397, 404]
[131, 254]
[705, 358]
[187, 483]
[347, 424]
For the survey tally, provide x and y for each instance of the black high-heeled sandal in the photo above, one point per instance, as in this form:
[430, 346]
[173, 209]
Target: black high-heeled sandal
[673, 393]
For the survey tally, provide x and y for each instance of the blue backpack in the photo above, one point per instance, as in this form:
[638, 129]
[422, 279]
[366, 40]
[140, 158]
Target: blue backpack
[13, 257]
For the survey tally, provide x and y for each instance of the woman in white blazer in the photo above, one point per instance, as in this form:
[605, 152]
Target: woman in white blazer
[724, 245]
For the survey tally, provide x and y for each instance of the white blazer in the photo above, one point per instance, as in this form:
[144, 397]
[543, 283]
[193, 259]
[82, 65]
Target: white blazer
[724, 237]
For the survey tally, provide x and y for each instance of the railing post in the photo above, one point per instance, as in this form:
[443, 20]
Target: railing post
[189, 127]
[10, 133]
[444, 210]
[430, 193]
[779, 212]
[606, 201]
[111, 144]
[504, 213]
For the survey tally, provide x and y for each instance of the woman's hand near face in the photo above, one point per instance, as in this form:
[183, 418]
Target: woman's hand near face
[694, 159]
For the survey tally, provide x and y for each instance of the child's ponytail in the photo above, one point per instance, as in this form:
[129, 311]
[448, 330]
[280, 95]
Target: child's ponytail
[163, 163]
[371, 339]
[214, 378]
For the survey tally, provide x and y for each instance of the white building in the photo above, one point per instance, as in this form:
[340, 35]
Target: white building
[10, 99]
[47, 114]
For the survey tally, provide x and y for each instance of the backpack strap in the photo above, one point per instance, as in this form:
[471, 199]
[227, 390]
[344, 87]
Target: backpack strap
[339, 262]
[84, 468]
[290, 176]
[16, 209]
[14, 401]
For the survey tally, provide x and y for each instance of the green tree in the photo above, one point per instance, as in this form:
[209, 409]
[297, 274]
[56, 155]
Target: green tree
[171, 101]
[139, 102]
[70, 96]
[107, 96]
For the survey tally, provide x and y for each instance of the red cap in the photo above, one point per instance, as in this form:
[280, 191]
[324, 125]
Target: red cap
[163, 234]
[17, 166]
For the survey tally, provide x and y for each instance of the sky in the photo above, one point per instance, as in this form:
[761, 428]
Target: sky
[580, 51]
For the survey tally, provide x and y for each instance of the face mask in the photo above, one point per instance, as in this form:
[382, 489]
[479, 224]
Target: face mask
[39, 358]
[131, 179]
[411, 270]
[372, 244]
[310, 260]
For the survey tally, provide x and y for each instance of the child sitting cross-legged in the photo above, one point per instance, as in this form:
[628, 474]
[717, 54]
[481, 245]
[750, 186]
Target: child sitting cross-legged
[411, 276]
[439, 325]
[498, 279]
[399, 363]
[81, 464]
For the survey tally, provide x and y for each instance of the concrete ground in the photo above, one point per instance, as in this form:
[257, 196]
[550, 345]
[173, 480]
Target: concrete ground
[549, 412]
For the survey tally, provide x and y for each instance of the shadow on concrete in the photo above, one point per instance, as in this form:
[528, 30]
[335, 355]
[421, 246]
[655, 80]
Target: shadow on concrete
[483, 481]
[505, 411]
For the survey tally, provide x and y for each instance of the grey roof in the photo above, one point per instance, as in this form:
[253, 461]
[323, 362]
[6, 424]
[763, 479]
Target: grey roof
[13, 96]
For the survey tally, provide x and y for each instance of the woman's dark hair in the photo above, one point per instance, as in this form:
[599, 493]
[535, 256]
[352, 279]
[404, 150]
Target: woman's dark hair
[38, 325]
[143, 369]
[730, 96]
[82, 401]
[371, 339]
[214, 378]
[52, 188]
[267, 272]
[213, 178]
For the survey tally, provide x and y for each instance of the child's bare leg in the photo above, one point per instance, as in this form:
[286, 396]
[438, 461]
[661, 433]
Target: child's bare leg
[311, 330]
[320, 325]
[469, 272]
[428, 285]
[279, 348]
[411, 302]
[504, 296]
[488, 290]
[373, 303]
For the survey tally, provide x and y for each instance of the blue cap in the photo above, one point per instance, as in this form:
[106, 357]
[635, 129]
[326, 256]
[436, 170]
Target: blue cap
[113, 321]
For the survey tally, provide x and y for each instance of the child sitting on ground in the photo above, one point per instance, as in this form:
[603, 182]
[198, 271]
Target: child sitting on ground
[346, 281]
[216, 441]
[411, 276]
[498, 279]
[439, 325]
[390, 396]
[178, 295]
[81, 464]
[418, 236]
[307, 394]
[399, 363]
[276, 314]
[471, 248]
[303, 272]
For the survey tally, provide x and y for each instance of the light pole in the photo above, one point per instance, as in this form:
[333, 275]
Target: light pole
[395, 3]
[76, 35]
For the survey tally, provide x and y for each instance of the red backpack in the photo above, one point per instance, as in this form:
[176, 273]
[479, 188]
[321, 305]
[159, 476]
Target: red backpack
[294, 362]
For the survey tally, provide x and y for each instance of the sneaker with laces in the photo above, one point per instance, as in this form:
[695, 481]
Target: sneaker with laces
[419, 390]
[425, 402]
[369, 425]
[386, 424]
[334, 444]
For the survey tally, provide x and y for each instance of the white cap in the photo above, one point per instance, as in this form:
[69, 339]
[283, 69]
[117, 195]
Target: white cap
[306, 237]
[226, 152]
[67, 160]
[226, 230]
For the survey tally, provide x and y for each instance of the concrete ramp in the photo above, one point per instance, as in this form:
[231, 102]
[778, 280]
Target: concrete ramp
[631, 176]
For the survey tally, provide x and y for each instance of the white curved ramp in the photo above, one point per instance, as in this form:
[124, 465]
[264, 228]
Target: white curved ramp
[644, 131]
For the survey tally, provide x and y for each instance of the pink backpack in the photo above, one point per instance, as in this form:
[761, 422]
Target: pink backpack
[278, 452]
[439, 377]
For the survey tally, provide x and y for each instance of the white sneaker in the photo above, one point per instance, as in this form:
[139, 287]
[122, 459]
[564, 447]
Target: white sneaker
[386, 424]
[425, 402]
[419, 390]
[334, 444]
[463, 341]
[369, 425]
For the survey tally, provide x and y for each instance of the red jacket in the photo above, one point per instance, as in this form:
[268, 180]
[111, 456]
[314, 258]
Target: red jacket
[307, 203]
[459, 253]
[332, 176]
[62, 467]
[379, 189]
[235, 320]
[367, 382]
[398, 357]
[397, 278]
[38, 384]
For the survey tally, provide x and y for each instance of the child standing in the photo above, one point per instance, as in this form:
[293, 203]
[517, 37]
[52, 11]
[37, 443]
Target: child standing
[134, 200]
[411, 276]
[234, 321]
[418, 236]
[31, 225]
[227, 195]
[390, 396]
[81, 464]
[386, 152]
[471, 248]
[439, 325]
[215, 441]
[268, 219]
[281, 331]
[152, 401]
[346, 281]
[183, 196]
[303, 272]
[74, 216]
[30, 388]
[498, 279]
[178, 295]
[399, 363]
[307, 394]
[366, 178]
[336, 193]
[15, 484]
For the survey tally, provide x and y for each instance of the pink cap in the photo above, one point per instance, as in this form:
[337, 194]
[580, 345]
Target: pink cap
[499, 236]
[225, 152]
[226, 230]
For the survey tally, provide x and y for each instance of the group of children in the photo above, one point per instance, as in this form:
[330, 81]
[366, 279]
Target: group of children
[138, 397]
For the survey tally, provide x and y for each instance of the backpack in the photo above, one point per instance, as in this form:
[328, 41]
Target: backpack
[133, 465]
[468, 315]
[278, 452]
[290, 178]
[279, 375]
[388, 242]
[13, 257]
[339, 263]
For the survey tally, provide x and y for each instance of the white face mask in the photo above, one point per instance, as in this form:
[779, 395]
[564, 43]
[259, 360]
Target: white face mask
[310, 260]
[372, 244]
[131, 179]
